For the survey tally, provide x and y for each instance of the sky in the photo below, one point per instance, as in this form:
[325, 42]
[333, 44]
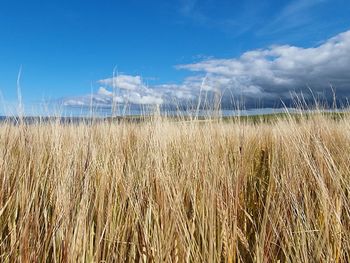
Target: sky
[164, 52]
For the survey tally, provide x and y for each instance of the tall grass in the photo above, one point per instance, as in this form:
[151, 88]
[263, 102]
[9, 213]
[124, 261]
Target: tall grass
[184, 191]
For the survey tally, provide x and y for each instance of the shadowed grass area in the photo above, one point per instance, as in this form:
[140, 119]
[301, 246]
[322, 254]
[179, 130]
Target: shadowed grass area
[230, 190]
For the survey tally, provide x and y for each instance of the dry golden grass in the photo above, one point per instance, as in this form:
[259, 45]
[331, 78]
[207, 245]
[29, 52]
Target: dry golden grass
[163, 191]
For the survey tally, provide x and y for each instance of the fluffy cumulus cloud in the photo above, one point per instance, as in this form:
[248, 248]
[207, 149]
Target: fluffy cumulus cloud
[121, 89]
[105, 92]
[125, 82]
[276, 71]
[269, 74]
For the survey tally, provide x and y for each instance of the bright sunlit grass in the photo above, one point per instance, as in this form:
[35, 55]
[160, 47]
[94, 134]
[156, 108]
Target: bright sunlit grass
[176, 191]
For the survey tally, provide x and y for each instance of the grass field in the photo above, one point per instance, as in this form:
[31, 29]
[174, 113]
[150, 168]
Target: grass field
[229, 190]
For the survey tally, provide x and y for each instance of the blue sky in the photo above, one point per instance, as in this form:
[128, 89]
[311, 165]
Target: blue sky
[165, 49]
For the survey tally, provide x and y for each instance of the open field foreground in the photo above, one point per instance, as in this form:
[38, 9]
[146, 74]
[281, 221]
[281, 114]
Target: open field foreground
[162, 191]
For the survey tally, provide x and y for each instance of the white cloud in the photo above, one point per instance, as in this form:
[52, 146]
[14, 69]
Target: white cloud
[73, 102]
[126, 82]
[269, 74]
[174, 92]
[104, 91]
[136, 98]
[279, 69]
[127, 90]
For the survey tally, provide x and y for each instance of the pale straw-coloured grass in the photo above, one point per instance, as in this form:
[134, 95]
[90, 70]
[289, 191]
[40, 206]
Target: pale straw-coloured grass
[176, 191]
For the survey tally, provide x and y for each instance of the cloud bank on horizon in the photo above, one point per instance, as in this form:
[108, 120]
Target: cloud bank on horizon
[265, 75]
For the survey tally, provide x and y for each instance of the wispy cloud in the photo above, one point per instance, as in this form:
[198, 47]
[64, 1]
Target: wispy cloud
[189, 9]
[202, 13]
[294, 15]
[187, 6]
